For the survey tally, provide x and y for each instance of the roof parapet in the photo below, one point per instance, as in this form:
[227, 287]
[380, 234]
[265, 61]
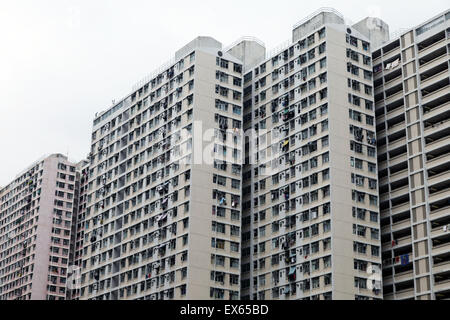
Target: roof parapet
[316, 20]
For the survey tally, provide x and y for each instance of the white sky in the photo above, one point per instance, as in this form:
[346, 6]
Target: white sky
[61, 61]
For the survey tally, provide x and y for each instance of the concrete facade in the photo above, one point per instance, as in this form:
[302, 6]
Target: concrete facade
[163, 218]
[311, 219]
[35, 229]
[412, 95]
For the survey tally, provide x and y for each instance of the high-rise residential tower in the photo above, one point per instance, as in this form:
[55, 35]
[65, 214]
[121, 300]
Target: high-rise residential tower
[35, 228]
[310, 197]
[163, 213]
[412, 93]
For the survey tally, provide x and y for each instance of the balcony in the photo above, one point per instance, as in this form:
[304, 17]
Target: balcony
[404, 276]
[397, 143]
[435, 78]
[400, 208]
[397, 159]
[438, 89]
[443, 266]
[439, 178]
[397, 125]
[436, 208]
[399, 175]
[395, 113]
[431, 47]
[395, 83]
[444, 194]
[442, 286]
[400, 226]
[405, 294]
[438, 157]
[405, 241]
[393, 98]
[393, 51]
[437, 144]
[385, 213]
[437, 124]
[440, 213]
[399, 192]
[441, 245]
[428, 61]
[436, 107]
[432, 53]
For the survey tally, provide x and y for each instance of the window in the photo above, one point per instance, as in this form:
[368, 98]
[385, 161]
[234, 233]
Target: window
[366, 46]
[234, 246]
[327, 226]
[375, 251]
[316, 283]
[359, 247]
[373, 216]
[237, 110]
[325, 158]
[327, 279]
[311, 69]
[322, 48]
[375, 234]
[326, 260]
[322, 33]
[360, 265]
[218, 243]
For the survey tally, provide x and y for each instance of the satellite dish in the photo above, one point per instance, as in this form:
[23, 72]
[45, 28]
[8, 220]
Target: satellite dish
[219, 53]
[349, 31]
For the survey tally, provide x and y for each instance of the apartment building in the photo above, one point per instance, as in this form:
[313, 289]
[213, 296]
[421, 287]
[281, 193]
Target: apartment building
[311, 226]
[35, 228]
[412, 93]
[163, 197]
[316, 171]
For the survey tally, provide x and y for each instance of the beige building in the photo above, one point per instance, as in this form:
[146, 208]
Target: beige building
[163, 216]
[310, 198]
[412, 92]
[35, 229]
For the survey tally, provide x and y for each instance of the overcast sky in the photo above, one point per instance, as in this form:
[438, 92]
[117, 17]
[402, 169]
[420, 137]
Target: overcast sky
[61, 61]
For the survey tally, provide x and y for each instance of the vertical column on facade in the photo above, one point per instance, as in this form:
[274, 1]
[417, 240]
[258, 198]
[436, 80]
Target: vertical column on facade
[420, 225]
